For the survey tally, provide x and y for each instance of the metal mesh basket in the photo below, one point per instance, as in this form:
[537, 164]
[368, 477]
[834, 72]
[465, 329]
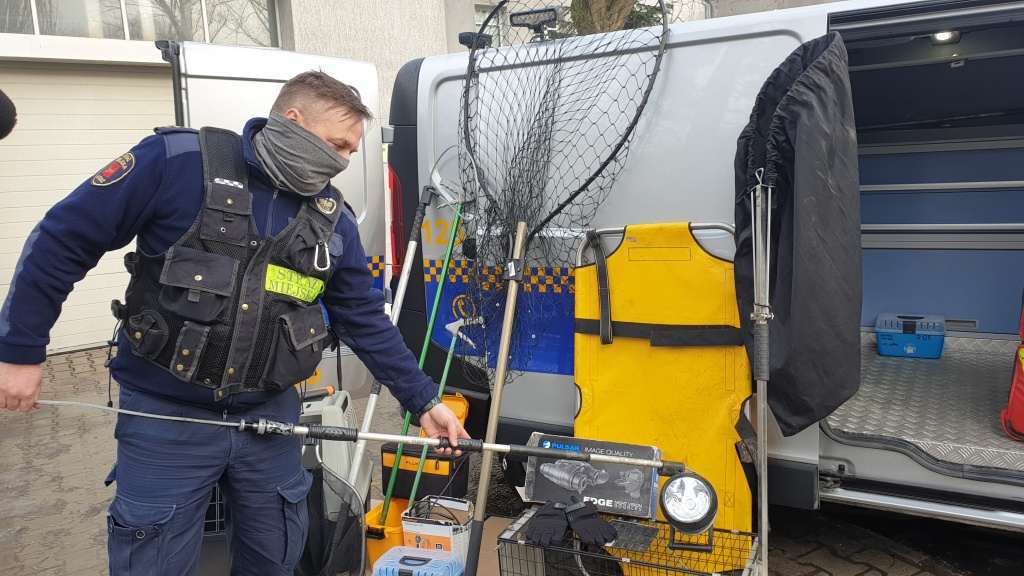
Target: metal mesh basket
[214, 525]
[643, 548]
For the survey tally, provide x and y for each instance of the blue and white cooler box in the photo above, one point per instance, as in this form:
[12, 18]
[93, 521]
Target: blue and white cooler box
[405, 561]
[909, 335]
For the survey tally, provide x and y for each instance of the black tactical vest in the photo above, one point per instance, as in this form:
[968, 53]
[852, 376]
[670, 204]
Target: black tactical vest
[223, 309]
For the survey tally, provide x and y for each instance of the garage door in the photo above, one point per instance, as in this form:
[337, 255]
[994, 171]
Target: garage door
[72, 120]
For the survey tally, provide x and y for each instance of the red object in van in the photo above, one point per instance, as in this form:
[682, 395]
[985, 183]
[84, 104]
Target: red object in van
[1013, 415]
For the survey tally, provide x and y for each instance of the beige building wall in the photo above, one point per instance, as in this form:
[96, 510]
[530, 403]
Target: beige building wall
[386, 33]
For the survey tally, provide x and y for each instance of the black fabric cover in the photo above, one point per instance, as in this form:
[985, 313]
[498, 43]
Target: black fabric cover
[802, 133]
[336, 542]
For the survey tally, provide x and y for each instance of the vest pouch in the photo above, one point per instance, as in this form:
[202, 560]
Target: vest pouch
[131, 264]
[197, 285]
[299, 341]
[188, 350]
[301, 254]
[147, 332]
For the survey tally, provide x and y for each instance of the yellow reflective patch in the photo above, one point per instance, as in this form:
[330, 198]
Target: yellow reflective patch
[291, 283]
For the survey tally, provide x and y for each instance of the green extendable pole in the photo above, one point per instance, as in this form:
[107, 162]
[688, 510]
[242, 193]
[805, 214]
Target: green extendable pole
[440, 392]
[456, 222]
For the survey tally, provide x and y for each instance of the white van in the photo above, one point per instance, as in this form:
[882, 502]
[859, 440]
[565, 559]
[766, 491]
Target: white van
[940, 129]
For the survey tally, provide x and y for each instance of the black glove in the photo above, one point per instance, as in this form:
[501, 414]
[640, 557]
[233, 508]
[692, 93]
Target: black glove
[590, 528]
[548, 525]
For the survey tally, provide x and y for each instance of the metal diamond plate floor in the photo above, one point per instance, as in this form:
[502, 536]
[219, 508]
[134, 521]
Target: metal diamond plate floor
[948, 407]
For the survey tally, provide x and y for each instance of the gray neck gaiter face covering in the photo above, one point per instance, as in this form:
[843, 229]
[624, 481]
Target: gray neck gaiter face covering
[296, 159]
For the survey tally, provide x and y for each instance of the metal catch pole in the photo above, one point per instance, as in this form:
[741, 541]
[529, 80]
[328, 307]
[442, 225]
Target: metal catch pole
[339, 434]
[761, 197]
[396, 311]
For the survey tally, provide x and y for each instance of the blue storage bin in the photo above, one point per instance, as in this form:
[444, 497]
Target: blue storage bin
[407, 561]
[910, 335]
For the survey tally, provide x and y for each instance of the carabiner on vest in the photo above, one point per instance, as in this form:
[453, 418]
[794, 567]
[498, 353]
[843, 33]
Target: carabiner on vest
[326, 257]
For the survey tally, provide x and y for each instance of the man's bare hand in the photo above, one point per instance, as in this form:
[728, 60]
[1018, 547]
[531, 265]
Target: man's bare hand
[20, 385]
[441, 422]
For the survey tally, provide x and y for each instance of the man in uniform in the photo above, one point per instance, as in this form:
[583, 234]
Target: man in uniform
[242, 243]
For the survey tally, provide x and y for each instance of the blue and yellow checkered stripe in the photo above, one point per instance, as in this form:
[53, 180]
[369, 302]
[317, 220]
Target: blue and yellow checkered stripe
[550, 280]
[459, 271]
[376, 265]
[543, 280]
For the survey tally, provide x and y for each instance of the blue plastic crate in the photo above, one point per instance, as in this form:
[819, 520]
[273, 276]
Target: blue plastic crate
[910, 335]
[407, 561]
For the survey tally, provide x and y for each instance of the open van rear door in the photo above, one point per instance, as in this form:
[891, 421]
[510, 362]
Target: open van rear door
[936, 91]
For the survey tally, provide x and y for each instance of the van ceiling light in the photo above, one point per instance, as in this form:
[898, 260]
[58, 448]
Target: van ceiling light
[945, 37]
[536, 20]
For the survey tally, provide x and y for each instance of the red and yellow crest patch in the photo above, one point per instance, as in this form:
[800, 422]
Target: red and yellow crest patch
[114, 171]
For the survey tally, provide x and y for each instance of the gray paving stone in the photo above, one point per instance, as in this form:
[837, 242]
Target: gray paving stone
[791, 546]
[907, 553]
[830, 563]
[884, 562]
[781, 565]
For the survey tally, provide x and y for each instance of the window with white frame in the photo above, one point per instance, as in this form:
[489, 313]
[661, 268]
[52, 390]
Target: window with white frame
[16, 17]
[244, 22]
[494, 27]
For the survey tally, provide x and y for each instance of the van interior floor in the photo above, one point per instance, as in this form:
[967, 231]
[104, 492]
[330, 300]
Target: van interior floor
[948, 408]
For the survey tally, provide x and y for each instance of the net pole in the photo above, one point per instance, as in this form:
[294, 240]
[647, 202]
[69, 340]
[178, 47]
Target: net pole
[477, 526]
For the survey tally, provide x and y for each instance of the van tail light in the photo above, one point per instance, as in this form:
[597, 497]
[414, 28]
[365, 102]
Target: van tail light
[397, 223]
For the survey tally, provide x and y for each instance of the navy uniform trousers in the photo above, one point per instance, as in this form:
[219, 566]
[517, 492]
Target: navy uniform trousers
[165, 473]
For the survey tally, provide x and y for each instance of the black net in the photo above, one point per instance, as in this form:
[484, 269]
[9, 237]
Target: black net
[336, 542]
[551, 101]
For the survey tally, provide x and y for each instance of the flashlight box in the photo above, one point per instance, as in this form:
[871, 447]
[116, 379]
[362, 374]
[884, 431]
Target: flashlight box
[439, 523]
[614, 488]
[910, 336]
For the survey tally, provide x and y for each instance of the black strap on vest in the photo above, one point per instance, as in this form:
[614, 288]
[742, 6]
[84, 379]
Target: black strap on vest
[746, 450]
[223, 159]
[668, 334]
[604, 297]
[228, 203]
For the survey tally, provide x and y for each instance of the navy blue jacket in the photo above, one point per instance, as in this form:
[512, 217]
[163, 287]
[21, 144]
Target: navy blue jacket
[156, 202]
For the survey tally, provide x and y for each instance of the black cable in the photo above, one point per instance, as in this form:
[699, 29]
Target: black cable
[430, 507]
[430, 513]
[454, 474]
[337, 362]
[110, 354]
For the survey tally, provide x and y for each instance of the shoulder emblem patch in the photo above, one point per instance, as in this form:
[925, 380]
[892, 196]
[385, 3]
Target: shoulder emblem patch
[114, 171]
[326, 205]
